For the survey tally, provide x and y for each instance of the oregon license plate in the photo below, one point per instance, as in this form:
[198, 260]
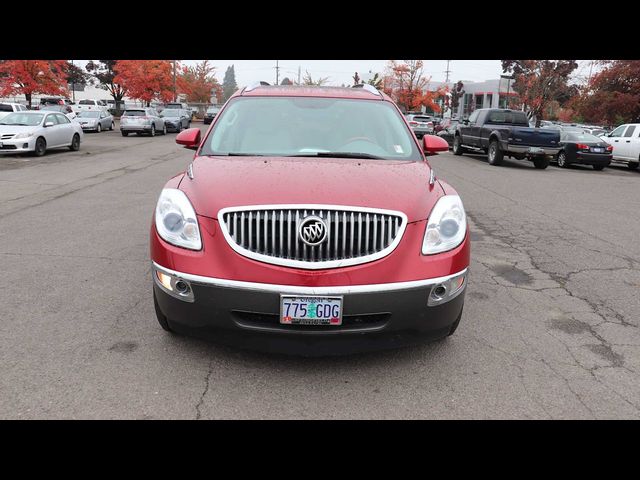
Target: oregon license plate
[310, 310]
[597, 149]
[535, 150]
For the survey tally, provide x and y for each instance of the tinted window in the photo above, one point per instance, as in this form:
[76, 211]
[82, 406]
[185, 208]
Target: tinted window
[630, 131]
[62, 119]
[309, 125]
[513, 118]
[86, 102]
[418, 118]
[5, 108]
[135, 113]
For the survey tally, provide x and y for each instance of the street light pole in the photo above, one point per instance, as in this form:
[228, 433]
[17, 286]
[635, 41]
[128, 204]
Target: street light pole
[73, 89]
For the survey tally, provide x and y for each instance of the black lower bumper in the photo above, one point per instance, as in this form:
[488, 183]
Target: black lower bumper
[251, 319]
[591, 159]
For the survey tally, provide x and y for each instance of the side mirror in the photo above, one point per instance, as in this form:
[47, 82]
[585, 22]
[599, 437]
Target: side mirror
[432, 144]
[190, 138]
[48, 124]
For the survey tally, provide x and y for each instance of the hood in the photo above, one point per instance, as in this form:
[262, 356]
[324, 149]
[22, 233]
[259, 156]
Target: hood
[221, 182]
[17, 128]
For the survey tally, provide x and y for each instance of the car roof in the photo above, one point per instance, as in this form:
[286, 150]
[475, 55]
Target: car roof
[311, 91]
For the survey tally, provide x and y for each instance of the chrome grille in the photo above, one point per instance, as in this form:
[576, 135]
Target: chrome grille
[270, 233]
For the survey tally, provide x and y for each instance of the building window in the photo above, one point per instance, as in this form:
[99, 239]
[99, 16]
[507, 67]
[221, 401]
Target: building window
[479, 101]
[489, 100]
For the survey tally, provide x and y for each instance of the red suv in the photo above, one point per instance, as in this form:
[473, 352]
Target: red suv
[310, 221]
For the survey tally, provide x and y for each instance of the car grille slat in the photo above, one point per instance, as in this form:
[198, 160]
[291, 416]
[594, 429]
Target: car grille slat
[272, 233]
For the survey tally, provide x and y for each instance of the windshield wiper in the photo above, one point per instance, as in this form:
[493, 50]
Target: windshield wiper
[240, 154]
[338, 155]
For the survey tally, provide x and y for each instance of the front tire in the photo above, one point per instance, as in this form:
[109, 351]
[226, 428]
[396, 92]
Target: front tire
[111, 126]
[41, 147]
[496, 155]
[75, 143]
[164, 129]
[457, 147]
[633, 165]
[125, 134]
[99, 127]
[153, 130]
[541, 162]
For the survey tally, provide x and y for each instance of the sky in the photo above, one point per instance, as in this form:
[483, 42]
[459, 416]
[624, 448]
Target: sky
[341, 71]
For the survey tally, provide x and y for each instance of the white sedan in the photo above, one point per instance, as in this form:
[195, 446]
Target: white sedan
[36, 131]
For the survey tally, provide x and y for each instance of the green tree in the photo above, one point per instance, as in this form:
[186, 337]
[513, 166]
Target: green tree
[229, 85]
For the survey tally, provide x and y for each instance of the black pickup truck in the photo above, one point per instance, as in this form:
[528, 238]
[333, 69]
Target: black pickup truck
[499, 132]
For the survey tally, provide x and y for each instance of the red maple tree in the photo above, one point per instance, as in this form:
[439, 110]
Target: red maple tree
[539, 82]
[612, 97]
[28, 77]
[146, 80]
[198, 83]
[405, 83]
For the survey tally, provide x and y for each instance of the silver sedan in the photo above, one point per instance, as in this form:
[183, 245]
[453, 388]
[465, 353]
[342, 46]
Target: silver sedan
[96, 120]
[37, 131]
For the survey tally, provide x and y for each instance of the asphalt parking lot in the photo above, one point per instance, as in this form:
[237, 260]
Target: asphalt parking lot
[549, 330]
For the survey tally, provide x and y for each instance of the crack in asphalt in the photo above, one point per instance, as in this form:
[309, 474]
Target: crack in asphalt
[207, 381]
[110, 174]
[604, 348]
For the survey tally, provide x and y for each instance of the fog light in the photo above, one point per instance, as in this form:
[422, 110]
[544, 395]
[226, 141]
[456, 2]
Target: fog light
[174, 286]
[449, 289]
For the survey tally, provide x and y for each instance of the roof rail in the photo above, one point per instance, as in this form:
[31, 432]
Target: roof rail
[368, 88]
[255, 85]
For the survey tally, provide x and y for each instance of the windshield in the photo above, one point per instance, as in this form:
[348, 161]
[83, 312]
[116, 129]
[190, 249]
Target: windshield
[89, 115]
[54, 108]
[21, 118]
[170, 112]
[86, 102]
[309, 126]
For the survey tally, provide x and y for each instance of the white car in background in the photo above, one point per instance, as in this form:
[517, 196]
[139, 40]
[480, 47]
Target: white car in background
[37, 131]
[64, 109]
[90, 105]
[7, 108]
[626, 144]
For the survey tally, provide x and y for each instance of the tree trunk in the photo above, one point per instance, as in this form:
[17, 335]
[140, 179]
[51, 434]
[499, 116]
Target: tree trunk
[28, 98]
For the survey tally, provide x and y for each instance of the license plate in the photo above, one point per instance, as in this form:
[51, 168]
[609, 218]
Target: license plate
[535, 150]
[597, 149]
[311, 310]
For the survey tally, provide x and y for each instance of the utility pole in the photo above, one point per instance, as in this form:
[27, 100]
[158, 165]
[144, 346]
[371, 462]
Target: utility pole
[298, 74]
[590, 70]
[73, 85]
[277, 72]
[447, 72]
[175, 95]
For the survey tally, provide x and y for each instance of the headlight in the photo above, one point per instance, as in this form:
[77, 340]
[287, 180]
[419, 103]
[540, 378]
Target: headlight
[176, 220]
[23, 135]
[446, 227]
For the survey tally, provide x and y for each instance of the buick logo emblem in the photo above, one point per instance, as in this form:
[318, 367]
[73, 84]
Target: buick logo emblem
[313, 231]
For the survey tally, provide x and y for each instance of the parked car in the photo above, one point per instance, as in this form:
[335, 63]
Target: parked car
[583, 148]
[142, 120]
[7, 108]
[420, 124]
[598, 132]
[65, 109]
[54, 101]
[38, 131]
[176, 119]
[626, 144]
[90, 105]
[448, 129]
[210, 114]
[499, 132]
[97, 120]
[297, 228]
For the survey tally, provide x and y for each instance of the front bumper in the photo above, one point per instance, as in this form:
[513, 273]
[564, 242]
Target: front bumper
[247, 314]
[21, 145]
